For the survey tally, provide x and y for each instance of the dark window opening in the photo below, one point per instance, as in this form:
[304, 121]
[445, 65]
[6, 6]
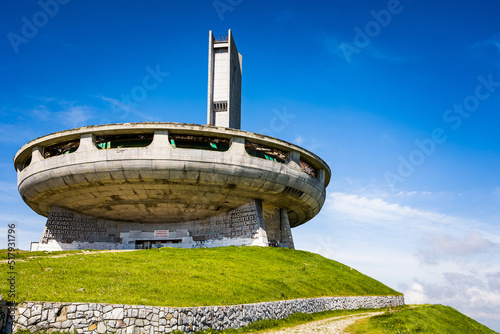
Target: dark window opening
[264, 152]
[306, 167]
[199, 142]
[124, 141]
[60, 149]
[292, 192]
[220, 106]
[25, 163]
[148, 244]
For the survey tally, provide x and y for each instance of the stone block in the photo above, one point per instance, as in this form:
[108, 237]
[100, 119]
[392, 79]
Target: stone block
[36, 310]
[101, 328]
[51, 316]
[80, 323]
[23, 321]
[71, 308]
[107, 308]
[117, 314]
[83, 307]
[66, 324]
[34, 320]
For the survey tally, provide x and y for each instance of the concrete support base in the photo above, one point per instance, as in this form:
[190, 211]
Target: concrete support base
[246, 225]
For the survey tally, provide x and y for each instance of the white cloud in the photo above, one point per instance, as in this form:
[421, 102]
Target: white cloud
[416, 295]
[489, 48]
[356, 208]
[75, 116]
[493, 42]
[63, 112]
[440, 246]
[414, 193]
[116, 103]
[465, 292]
[299, 140]
[494, 281]
[8, 191]
[121, 109]
[15, 134]
[42, 112]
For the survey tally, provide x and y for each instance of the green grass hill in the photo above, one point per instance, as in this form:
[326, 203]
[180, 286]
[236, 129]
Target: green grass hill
[184, 277]
[431, 319]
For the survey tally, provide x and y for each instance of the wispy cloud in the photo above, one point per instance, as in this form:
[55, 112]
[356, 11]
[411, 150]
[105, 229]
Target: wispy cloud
[122, 109]
[298, 140]
[8, 191]
[494, 281]
[357, 208]
[489, 48]
[439, 247]
[75, 115]
[63, 112]
[117, 103]
[15, 134]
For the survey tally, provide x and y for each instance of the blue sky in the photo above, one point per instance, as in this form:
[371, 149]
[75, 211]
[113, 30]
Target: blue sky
[359, 83]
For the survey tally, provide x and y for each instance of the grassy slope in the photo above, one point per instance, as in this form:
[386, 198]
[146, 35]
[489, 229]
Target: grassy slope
[430, 319]
[22, 254]
[188, 277]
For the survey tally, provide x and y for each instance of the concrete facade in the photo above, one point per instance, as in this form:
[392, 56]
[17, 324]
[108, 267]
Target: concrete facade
[243, 226]
[224, 82]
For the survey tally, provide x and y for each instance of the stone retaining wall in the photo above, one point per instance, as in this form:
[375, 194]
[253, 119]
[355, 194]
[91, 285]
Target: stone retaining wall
[117, 318]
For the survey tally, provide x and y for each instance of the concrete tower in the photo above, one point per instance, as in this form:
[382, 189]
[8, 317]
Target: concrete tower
[224, 82]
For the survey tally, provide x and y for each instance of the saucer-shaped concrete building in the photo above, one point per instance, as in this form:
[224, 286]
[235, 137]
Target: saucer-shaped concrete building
[143, 185]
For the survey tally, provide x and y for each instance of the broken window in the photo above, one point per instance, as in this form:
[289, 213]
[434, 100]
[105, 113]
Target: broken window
[60, 149]
[124, 141]
[265, 152]
[199, 142]
[306, 167]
